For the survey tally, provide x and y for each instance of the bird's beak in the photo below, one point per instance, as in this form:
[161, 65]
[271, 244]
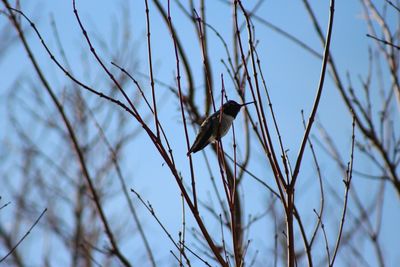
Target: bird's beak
[247, 103]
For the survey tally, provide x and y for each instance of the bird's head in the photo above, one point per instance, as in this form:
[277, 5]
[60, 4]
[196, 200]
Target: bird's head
[232, 108]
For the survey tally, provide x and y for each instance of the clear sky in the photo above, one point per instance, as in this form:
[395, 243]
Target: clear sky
[291, 74]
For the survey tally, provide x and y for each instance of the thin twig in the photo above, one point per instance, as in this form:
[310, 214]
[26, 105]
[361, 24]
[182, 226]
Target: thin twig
[321, 187]
[325, 237]
[24, 236]
[124, 187]
[5, 205]
[149, 207]
[151, 69]
[257, 95]
[393, 5]
[194, 206]
[148, 105]
[178, 79]
[206, 63]
[182, 54]
[318, 95]
[383, 41]
[347, 182]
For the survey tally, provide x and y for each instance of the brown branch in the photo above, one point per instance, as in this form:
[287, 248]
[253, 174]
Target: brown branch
[182, 54]
[151, 70]
[178, 78]
[150, 208]
[206, 60]
[263, 122]
[182, 233]
[284, 159]
[148, 105]
[347, 182]
[325, 236]
[318, 95]
[124, 187]
[266, 144]
[291, 186]
[192, 207]
[321, 187]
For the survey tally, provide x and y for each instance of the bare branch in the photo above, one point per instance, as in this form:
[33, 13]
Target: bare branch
[24, 236]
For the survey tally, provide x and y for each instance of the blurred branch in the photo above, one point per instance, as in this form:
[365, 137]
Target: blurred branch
[71, 132]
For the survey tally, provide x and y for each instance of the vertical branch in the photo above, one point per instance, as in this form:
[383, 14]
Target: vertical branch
[321, 187]
[347, 182]
[226, 179]
[193, 208]
[284, 159]
[151, 70]
[267, 142]
[206, 63]
[223, 239]
[178, 79]
[291, 186]
[182, 54]
[291, 254]
[233, 200]
[318, 95]
[207, 66]
[183, 231]
[325, 236]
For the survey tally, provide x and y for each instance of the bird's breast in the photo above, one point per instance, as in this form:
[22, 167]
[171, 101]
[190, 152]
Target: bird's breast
[226, 123]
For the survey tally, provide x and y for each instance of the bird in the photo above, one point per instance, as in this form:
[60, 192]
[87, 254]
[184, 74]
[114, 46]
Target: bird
[213, 128]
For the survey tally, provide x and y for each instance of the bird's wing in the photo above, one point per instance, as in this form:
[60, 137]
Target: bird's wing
[203, 135]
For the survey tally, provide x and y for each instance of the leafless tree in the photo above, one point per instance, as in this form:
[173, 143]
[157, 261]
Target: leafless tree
[72, 136]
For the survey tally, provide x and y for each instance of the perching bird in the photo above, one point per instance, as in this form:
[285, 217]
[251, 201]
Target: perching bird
[211, 129]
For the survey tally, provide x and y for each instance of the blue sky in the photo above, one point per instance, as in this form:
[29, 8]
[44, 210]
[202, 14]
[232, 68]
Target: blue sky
[292, 78]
